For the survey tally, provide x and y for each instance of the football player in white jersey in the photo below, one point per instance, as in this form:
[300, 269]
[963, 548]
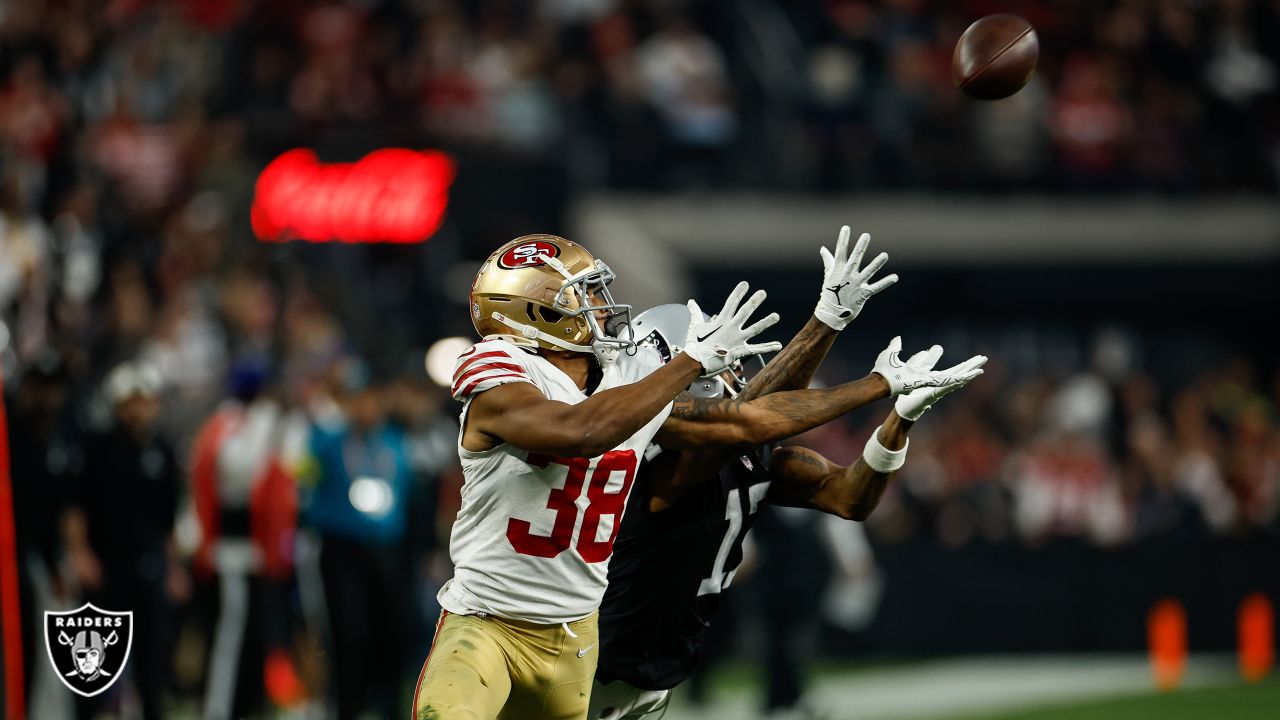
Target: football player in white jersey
[557, 412]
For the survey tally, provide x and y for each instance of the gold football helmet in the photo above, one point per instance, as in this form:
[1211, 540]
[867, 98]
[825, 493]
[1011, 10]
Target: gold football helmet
[545, 291]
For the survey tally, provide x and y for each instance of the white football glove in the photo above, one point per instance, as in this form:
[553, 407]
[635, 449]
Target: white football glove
[911, 405]
[845, 288]
[721, 341]
[905, 377]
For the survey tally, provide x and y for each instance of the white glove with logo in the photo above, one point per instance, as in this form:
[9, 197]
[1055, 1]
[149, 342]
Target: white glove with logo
[911, 405]
[721, 341]
[918, 372]
[845, 288]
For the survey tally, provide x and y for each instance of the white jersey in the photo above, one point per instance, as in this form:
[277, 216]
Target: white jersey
[533, 538]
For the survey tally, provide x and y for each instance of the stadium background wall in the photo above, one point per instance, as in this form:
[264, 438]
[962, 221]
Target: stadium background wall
[1064, 596]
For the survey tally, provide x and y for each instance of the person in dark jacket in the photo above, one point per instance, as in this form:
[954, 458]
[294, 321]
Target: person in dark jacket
[38, 465]
[119, 528]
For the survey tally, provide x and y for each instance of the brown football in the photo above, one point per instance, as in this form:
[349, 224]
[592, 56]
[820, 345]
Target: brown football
[995, 57]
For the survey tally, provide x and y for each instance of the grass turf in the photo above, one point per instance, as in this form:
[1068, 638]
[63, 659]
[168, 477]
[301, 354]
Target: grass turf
[1234, 702]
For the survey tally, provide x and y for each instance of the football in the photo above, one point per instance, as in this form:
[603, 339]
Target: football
[995, 57]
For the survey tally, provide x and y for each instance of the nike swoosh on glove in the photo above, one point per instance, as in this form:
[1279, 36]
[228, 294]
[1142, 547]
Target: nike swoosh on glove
[722, 340]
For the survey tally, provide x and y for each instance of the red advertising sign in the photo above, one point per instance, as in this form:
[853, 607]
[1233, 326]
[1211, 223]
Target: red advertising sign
[392, 195]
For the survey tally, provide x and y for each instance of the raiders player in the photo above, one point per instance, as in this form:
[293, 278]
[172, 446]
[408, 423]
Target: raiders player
[556, 415]
[690, 512]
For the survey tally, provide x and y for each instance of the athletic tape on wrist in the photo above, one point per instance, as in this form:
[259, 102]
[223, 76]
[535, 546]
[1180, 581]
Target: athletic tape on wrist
[881, 459]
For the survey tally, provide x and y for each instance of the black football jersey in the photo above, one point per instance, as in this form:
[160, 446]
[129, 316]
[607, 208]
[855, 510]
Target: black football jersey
[669, 570]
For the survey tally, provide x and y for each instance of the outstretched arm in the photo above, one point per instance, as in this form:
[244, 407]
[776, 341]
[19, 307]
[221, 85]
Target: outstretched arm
[846, 287]
[696, 423]
[519, 414]
[793, 368]
[804, 478]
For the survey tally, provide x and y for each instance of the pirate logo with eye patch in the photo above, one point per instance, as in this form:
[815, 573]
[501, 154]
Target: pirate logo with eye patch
[88, 646]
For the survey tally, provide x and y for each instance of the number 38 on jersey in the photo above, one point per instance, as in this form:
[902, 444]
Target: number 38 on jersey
[607, 482]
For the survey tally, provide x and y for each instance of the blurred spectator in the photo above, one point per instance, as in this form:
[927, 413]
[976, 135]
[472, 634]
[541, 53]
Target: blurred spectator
[683, 75]
[1064, 485]
[1093, 129]
[1011, 143]
[39, 463]
[246, 503]
[119, 529]
[355, 497]
[30, 112]
[794, 565]
[430, 437]
[24, 261]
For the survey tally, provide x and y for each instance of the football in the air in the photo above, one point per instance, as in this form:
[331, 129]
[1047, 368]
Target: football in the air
[995, 57]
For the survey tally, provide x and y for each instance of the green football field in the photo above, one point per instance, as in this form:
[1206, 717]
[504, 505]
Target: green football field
[1102, 687]
[1233, 702]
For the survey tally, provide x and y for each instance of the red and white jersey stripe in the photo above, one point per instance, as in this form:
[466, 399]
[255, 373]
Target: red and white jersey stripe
[533, 537]
[486, 365]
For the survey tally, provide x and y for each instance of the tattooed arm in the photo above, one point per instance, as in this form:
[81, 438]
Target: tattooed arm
[756, 416]
[793, 368]
[698, 423]
[803, 478]
[712, 431]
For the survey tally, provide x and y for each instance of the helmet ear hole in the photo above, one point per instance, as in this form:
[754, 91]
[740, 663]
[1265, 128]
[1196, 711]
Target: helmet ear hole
[528, 310]
[549, 315]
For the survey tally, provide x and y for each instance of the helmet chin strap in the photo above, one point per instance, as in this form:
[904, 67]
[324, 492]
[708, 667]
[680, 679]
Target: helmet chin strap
[533, 333]
[606, 353]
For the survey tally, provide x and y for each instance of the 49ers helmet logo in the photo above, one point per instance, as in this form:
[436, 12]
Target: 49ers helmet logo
[92, 646]
[528, 254]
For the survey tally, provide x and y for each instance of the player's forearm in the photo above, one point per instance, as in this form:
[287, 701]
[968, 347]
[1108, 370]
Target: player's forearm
[793, 368]
[606, 419]
[862, 487]
[785, 414]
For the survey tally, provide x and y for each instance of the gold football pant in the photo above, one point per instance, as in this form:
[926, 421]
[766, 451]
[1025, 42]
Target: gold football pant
[486, 668]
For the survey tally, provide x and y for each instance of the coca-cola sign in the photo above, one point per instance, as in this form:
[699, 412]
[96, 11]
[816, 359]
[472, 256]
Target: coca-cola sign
[392, 195]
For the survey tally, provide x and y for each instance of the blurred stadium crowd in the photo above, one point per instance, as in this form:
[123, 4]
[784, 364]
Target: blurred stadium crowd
[1166, 95]
[1105, 454]
[173, 393]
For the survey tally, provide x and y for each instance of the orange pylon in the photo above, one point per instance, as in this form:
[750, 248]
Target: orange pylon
[1167, 643]
[1255, 623]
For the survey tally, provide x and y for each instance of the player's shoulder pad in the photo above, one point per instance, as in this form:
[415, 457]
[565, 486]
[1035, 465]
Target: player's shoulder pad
[488, 364]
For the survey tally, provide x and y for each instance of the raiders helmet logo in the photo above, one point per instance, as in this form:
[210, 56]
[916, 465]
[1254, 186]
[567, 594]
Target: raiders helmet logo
[88, 646]
[528, 255]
